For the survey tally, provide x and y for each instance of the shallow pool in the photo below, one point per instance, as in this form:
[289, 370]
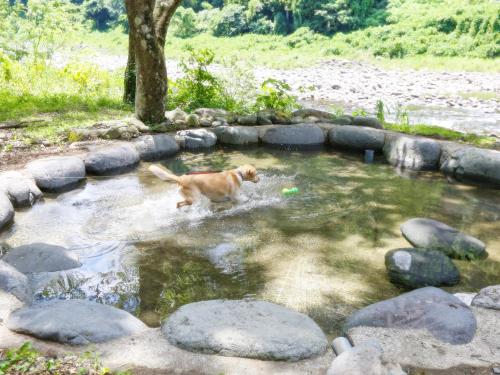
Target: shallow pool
[320, 252]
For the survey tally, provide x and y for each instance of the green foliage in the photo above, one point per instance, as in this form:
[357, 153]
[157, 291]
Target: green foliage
[18, 360]
[380, 111]
[275, 95]
[104, 14]
[199, 88]
[184, 23]
[36, 29]
[230, 21]
[450, 28]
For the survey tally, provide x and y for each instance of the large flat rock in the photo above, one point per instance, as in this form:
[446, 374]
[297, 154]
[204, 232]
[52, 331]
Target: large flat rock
[412, 153]
[20, 188]
[41, 257]
[471, 164]
[356, 138]
[57, 173]
[14, 282]
[112, 159]
[250, 329]
[6, 210]
[416, 268]
[441, 314]
[488, 298]
[76, 322]
[420, 349]
[428, 233]
[155, 147]
[196, 139]
[294, 135]
[237, 135]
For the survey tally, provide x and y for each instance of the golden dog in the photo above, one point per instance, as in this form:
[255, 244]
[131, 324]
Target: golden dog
[217, 187]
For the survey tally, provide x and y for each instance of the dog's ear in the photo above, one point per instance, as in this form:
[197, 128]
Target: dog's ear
[250, 173]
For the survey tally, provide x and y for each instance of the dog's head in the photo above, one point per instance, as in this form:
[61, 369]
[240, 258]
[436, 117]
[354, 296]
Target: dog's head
[249, 173]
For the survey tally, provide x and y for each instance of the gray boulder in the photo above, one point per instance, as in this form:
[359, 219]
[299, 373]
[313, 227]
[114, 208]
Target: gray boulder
[363, 360]
[20, 188]
[310, 112]
[6, 210]
[14, 282]
[433, 234]
[471, 164]
[248, 120]
[177, 116]
[412, 153]
[76, 322]
[370, 122]
[294, 135]
[488, 298]
[113, 159]
[155, 147]
[41, 257]
[8, 303]
[416, 268]
[250, 329]
[196, 139]
[356, 138]
[57, 173]
[443, 315]
[236, 135]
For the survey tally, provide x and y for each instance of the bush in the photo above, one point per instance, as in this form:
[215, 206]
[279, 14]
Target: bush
[275, 95]
[230, 21]
[302, 36]
[184, 23]
[199, 88]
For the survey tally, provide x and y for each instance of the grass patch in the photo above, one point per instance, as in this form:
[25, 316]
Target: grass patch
[26, 360]
[442, 133]
[276, 51]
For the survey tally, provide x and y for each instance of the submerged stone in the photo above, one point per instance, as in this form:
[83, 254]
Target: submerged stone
[41, 257]
[416, 268]
[433, 234]
[250, 329]
[75, 322]
[443, 315]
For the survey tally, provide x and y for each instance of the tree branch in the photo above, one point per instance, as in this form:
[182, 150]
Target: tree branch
[163, 12]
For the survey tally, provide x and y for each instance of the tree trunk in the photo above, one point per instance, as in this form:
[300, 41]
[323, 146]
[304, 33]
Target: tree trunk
[148, 23]
[130, 74]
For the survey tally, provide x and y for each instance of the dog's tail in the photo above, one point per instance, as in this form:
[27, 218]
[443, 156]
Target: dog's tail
[164, 174]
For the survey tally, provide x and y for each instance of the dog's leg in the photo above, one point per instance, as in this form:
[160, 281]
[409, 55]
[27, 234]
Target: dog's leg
[187, 194]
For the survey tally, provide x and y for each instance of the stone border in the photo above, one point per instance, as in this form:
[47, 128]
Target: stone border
[61, 173]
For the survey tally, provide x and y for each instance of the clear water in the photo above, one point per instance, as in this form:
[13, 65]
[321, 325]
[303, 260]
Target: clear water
[320, 252]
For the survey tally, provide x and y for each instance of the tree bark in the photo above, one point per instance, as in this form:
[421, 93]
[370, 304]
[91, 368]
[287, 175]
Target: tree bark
[148, 23]
[130, 74]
